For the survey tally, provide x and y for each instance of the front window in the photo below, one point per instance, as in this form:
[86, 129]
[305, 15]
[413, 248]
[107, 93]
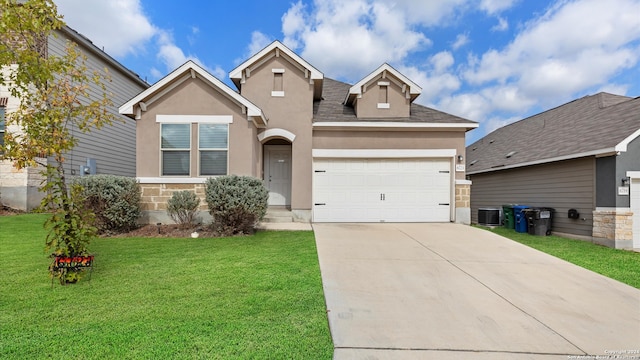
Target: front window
[213, 144]
[176, 146]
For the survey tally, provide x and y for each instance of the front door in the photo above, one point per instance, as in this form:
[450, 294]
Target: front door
[277, 173]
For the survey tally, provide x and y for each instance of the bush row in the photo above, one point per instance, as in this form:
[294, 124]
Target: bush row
[236, 203]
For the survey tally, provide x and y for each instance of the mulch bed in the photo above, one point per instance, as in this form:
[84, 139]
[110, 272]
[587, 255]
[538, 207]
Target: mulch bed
[7, 211]
[168, 231]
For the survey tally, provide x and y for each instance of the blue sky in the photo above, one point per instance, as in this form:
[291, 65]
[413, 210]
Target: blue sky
[491, 61]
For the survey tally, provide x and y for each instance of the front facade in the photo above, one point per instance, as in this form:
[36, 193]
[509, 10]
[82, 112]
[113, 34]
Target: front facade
[581, 157]
[329, 151]
[110, 150]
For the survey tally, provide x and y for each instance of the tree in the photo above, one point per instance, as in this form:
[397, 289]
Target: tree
[54, 102]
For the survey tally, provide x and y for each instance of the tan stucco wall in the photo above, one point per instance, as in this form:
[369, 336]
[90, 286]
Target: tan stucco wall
[293, 113]
[195, 97]
[367, 105]
[332, 139]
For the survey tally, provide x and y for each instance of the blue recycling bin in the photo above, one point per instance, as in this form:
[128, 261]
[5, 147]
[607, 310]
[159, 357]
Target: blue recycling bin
[522, 224]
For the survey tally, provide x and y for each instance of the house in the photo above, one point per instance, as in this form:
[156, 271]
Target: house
[110, 150]
[583, 155]
[328, 151]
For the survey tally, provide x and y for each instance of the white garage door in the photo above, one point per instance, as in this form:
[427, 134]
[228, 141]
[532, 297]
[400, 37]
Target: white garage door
[382, 190]
[635, 207]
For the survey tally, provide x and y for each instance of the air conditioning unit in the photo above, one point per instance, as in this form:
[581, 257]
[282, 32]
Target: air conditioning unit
[489, 216]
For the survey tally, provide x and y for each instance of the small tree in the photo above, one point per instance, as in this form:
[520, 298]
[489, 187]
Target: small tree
[54, 102]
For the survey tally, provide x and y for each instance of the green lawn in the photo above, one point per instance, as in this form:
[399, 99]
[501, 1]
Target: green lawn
[257, 297]
[621, 265]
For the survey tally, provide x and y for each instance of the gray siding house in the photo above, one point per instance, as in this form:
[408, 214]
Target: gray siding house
[111, 149]
[583, 155]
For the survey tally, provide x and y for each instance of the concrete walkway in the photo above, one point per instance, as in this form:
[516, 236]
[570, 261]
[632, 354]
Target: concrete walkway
[447, 291]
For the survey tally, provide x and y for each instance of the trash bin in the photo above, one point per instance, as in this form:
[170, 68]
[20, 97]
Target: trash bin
[521, 224]
[539, 220]
[509, 220]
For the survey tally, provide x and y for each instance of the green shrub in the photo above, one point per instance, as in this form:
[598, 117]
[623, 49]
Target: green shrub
[236, 203]
[115, 200]
[182, 207]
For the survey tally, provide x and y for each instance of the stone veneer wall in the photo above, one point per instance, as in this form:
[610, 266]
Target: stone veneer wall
[463, 196]
[613, 228]
[155, 196]
[19, 188]
[463, 203]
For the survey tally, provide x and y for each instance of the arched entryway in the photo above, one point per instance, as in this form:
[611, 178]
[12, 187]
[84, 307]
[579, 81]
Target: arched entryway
[276, 150]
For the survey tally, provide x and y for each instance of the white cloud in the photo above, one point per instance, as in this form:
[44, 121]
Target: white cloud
[258, 42]
[502, 25]
[574, 46]
[496, 6]
[347, 39]
[461, 40]
[432, 12]
[117, 26]
[123, 29]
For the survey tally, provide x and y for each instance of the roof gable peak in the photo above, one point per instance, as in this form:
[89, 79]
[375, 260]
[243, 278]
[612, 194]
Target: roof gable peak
[411, 89]
[189, 70]
[277, 49]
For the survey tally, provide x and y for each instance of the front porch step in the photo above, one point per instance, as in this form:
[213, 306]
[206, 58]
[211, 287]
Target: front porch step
[278, 215]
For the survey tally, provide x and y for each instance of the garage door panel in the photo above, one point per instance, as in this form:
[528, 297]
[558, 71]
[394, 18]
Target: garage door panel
[376, 190]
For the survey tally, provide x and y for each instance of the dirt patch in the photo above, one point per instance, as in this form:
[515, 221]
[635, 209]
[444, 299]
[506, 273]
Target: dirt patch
[7, 211]
[169, 231]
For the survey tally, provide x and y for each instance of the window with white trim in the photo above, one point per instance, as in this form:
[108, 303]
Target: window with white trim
[176, 149]
[213, 145]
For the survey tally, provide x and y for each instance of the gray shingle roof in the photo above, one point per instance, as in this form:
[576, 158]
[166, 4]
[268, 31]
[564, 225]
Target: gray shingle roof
[331, 108]
[594, 124]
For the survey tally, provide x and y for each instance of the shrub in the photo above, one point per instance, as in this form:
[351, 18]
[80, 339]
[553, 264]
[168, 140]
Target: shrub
[115, 200]
[182, 207]
[236, 203]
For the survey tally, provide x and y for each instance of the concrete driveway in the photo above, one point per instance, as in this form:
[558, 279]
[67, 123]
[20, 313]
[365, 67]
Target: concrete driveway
[448, 291]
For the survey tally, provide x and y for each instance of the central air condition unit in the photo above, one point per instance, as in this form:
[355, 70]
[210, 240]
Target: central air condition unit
[489, 216]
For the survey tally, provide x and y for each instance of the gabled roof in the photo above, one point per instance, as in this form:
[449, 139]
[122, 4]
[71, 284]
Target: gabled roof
[277, 49]
[412, 90]
[186, 71]
[331, 111]
[596, 125]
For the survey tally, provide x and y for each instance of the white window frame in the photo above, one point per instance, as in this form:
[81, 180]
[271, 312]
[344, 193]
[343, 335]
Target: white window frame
[162, 150]
[200, 150]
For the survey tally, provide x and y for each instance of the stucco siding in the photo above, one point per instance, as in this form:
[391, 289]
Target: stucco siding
[331, 139]
[195, 97]
[292, 112]
[113, 146]
[561, 185]
[367, 104]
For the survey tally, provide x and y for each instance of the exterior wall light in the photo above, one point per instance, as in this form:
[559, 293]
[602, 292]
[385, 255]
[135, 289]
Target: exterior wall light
[625, 181]
[460, 158]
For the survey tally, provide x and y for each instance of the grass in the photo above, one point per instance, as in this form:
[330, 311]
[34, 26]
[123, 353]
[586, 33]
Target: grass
[621, 265]
[257, 297]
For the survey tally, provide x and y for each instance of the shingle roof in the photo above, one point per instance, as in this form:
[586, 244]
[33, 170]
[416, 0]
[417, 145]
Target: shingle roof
[332, 109]
[592, 125]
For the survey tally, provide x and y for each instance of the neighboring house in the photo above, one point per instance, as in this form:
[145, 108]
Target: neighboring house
[111, 150]
[329, 151]
[583, 155]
